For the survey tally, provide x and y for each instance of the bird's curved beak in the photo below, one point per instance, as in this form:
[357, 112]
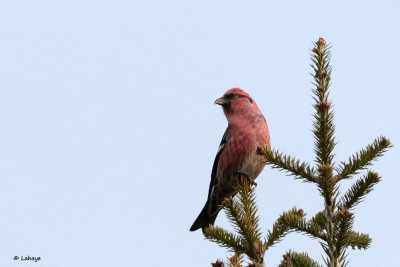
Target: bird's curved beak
[221, 101]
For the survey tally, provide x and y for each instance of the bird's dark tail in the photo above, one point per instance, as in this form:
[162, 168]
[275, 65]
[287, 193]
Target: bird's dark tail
[204, 219]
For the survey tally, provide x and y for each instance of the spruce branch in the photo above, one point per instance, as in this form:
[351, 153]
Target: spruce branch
[280, 229]
[295, 259]
[250, 220]
[294, 220]
[247, 200]
[242, 213]
[345, 236]
[324, 128]
[327, 184]
[344, 224]
[358, 191]
[358, 240]
[225, 239]
[278, 160]
[319, 219]
[363, 158]
[235, 214]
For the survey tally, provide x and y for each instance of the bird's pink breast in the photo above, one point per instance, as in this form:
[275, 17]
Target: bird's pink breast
[240, 153]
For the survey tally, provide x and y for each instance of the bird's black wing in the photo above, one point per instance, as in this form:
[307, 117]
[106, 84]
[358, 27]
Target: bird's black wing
[216, 161]
[205, 218]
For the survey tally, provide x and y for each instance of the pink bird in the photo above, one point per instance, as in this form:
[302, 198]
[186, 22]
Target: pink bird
[237, 154]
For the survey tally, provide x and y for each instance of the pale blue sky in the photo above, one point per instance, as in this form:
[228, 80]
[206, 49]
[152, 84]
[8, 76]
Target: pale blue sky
[109, 130]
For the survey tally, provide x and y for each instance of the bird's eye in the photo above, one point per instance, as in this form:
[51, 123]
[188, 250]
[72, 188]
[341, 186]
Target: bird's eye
[251, 101]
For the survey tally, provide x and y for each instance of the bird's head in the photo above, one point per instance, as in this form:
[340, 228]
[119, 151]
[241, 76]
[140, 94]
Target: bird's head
[235, 101]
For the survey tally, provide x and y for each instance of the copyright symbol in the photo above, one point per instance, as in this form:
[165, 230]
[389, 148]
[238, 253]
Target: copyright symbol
[16, 258]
